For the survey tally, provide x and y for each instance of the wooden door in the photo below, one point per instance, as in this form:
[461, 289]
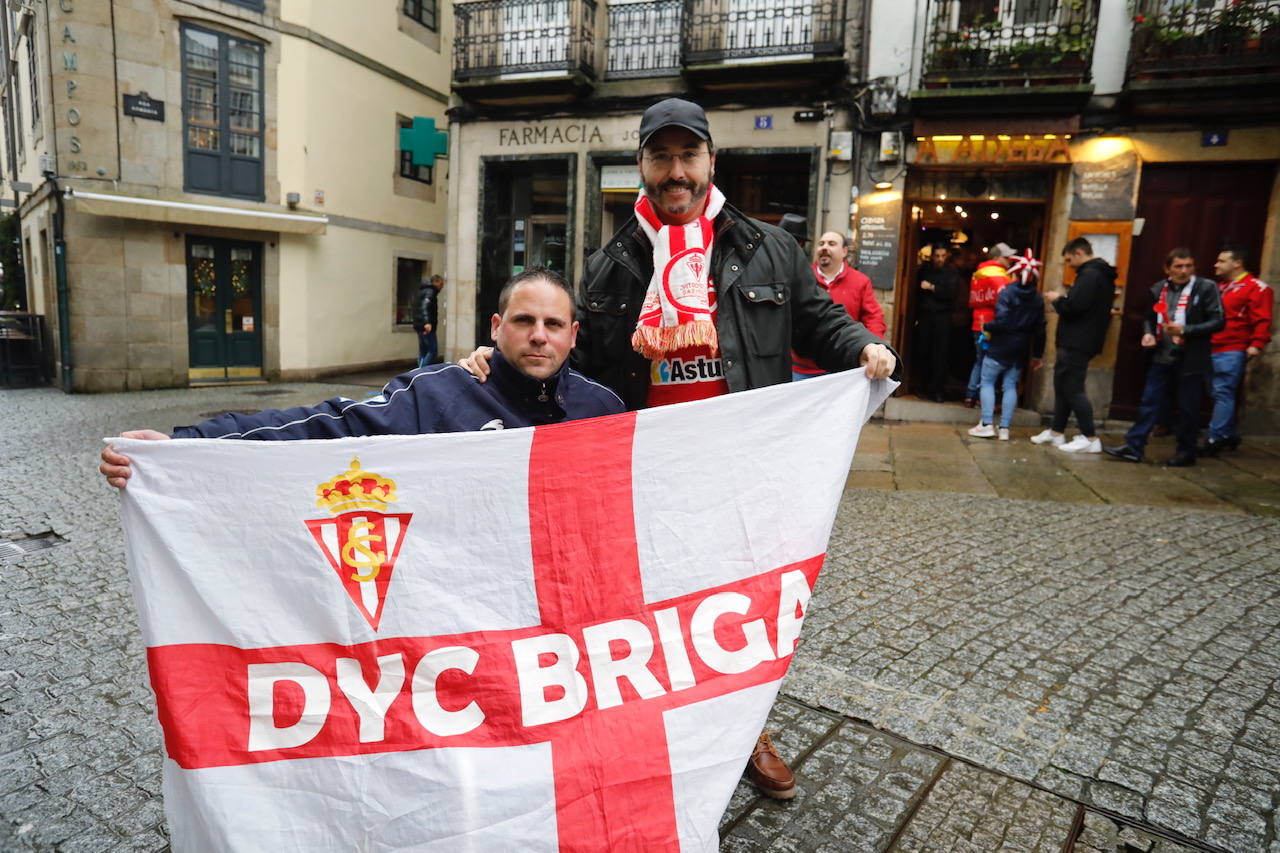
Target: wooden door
[1198, 206]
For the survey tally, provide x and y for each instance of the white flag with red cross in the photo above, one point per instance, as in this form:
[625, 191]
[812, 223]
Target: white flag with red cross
[559, 638]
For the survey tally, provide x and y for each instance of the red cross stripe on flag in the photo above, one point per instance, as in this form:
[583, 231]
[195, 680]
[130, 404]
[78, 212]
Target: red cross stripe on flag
[612, 710]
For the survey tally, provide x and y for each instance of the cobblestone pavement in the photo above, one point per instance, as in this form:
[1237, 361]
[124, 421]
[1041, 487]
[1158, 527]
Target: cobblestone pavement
[979, 672]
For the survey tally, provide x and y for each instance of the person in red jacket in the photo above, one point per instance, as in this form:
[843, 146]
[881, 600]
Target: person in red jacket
[1247, 304]
[846, 286]
[988, 280]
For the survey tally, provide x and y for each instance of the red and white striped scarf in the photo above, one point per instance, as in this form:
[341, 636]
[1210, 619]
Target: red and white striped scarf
[1179, 312]
[676, 313]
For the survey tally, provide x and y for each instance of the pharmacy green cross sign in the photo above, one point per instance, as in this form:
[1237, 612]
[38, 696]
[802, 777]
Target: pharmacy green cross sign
[424, 141]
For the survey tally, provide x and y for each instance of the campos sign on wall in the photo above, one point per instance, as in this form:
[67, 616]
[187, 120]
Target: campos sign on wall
[82, 64]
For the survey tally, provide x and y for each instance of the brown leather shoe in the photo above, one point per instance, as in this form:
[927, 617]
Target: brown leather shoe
[768, 772]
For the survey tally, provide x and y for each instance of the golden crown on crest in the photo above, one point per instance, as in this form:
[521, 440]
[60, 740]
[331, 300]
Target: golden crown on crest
[356, 488]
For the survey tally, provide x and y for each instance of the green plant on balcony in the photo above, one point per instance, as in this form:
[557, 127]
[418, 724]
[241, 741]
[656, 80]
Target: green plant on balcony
[1071, 48]
[1186, 30]
[1063, 51]
[1231, 30]
[964, 49]
[1164, 37]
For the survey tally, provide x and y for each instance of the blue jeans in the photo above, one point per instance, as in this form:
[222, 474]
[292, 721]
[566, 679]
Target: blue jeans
[428, 348]
[1165, 387]
[800, 377]
[992, 370]
[1228, 370]
[975, 375]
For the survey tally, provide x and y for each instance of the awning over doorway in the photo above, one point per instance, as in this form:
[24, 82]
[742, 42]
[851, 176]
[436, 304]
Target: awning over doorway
[194, 213]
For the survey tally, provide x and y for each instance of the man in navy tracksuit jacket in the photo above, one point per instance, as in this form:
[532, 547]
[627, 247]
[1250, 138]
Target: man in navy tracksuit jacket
[534, 330]
[441, 398]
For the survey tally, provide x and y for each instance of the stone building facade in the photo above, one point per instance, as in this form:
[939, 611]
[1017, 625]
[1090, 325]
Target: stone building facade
[1142, 126]
[216, 191]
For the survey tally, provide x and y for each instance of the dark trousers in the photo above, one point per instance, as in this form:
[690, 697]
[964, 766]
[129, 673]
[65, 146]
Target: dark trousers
[932, 332]
[427, 348]
[1068, 392]
[1166, 386]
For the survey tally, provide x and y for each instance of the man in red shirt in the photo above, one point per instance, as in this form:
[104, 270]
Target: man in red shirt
[846, 286]
[1247, 304]
[988, 280]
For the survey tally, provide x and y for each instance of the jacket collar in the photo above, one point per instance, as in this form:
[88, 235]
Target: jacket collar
[519, 386]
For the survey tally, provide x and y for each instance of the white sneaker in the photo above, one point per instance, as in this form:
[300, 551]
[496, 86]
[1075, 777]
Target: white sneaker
[1048, 436]
[983, 431]
[1004, 433]
[1080, 444]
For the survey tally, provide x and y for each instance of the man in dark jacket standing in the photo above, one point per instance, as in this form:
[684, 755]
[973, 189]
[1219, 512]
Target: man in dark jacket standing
[745, 296]
[935, 300]
[425, 313]
[691, 299]
[1185, 312]
[1084, 313]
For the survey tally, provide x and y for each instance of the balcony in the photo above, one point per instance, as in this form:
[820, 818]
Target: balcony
[528, 51]
[745, 30]
[974, 49]
[516, 46]
[1226, 53]
[747, 44]
[644, 39]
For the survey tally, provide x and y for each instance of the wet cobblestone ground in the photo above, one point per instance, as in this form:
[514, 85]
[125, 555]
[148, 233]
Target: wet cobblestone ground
[978, 672]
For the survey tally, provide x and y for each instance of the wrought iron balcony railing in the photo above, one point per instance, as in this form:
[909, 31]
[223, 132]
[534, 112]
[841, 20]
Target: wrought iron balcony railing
[523, 37]
[1190, 40]
[644, 38]
[732, 30]
[968, 43]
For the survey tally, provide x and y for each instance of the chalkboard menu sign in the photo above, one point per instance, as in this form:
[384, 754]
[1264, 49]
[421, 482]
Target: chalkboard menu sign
[1104, 190]
[879, 220]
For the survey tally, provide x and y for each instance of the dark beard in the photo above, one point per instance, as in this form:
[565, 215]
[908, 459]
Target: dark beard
[699, 192]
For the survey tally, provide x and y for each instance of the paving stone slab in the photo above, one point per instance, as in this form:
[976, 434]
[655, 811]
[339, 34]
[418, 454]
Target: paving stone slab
[987, 812]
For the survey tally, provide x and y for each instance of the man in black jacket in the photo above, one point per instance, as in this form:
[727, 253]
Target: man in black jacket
[425, 312]
[691, 298]
[935, 300]
[745, 279]
[1185, 312]
[745, 297]
[1084, 313]
[765, 299]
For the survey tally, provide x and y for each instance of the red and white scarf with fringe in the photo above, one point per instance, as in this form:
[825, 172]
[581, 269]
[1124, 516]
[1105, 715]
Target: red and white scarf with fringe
[676, 312]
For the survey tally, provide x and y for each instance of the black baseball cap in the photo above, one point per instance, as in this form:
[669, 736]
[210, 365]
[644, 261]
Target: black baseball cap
[674, 112]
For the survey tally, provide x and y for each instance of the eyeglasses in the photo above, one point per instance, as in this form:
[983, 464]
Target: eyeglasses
[663, 158]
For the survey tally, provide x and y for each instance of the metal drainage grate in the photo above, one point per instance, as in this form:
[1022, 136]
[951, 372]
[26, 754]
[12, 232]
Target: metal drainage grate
[19, 547]
[270, 392]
